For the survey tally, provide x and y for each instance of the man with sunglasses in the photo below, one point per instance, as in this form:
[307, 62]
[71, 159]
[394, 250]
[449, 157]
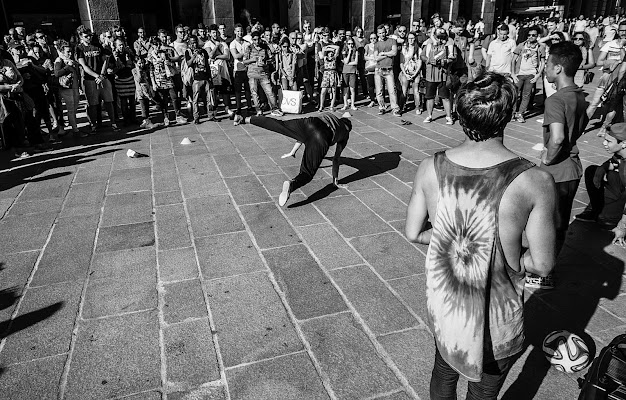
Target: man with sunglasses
[528, 65]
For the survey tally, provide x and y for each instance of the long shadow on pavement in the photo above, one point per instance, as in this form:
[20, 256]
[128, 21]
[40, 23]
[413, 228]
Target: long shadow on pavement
[366, 167]
[29, 319]
[585, 273]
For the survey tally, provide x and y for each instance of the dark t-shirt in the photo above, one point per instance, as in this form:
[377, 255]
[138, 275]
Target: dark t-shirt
[384, 46]
[568, 107]
[94, 58]
[201, 66]
[337, 127]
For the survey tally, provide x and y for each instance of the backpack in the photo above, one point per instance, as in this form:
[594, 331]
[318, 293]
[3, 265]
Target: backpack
[606, 378]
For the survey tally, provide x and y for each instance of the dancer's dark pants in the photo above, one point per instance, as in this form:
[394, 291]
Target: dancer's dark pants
[312, 132]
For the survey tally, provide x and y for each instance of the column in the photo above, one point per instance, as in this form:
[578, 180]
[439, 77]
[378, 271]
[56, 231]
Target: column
[299, 11]
[363, 14]
[485, 9]
[99, 15]
[218, 12]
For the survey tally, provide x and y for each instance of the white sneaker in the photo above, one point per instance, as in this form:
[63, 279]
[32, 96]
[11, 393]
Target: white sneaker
[344, 108]
[166, 121]
[428, 119]
[449, 121]
[229, 112]
[353, 108]
[181, 120]
[277, 113]
[284, 195]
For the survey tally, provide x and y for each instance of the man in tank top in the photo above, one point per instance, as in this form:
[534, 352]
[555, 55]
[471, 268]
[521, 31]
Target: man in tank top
[479, 198]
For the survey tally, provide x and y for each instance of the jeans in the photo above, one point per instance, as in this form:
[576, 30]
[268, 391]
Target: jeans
[144, 103]
[264, 81]
[198, 88]
[241, 82]
[71, 97]
[525, 87]
[371, 87]
[387, 75]
[165, 96]
[607, 201]
[444, 380]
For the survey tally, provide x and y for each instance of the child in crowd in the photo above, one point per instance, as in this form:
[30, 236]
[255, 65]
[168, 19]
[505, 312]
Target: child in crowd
[143, 91]
[163, 83]
[330, 78]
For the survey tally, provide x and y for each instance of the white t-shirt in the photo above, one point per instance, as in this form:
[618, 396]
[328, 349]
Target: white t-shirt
[480, 27]
[240, 47]
[580, 26]
[501, 55]
[613, 50]
[609, 33]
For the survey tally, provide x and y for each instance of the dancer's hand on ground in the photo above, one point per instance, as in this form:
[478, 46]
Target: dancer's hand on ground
[288, 155]
[619, 236]
[338, 186]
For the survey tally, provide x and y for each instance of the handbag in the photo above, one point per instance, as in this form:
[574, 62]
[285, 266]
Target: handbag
[588, 77]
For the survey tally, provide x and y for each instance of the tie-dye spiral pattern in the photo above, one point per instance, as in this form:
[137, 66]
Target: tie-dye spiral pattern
[467, 278]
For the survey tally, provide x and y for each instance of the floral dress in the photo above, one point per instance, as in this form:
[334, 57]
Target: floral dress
[330, 77]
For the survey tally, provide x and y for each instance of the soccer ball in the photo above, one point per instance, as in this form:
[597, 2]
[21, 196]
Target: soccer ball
[566, 351]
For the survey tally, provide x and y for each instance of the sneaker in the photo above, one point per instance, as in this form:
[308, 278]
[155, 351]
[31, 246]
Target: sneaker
[196, 121]
[284, 195]
[396, 113]
[587, 216]
[381, 111]
[181, 120]
[277, 113]
[148, 125]
[540, 120]
[166, 121]
[419, 111]
[428, 120]
[372, 104]
[353, 108]
[344, 108]
[143, 124]
[238, 120]
[259, 113]
[539, 282]
[115, 128]
[22, 155]
[520, 118]
[449, 121]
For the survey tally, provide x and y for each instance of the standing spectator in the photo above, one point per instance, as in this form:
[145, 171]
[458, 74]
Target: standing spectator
[219, 54]
[162, 76]
[580, 24]
[240, 78]
[437, 57]
[256, 58]
[582, 40]
[385, 49]
[97, 86]
[198, 60]
[410, 66]
[123, 65]
[302, 73]
[287, 62]
[13, 124]
[370, 69]
[610, 30]
[564, 122]
[330, 77]
[141, 45]
[528, 65]
[480, 198]
[183, 90]
[500, 52]
[67, 71]
[348, 73]
[145, 93]
[359, 37]
[593, 32]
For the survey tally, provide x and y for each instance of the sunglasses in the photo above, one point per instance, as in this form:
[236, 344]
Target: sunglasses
[533, 34]
[401, 30]
[579, 38]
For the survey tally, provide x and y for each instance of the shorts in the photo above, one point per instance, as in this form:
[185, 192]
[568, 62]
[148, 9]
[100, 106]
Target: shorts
[96, 93]
[348, 80]
[432, 88]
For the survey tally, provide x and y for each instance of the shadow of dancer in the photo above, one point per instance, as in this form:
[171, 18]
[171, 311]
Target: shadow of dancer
[366, 167]
[585, 273]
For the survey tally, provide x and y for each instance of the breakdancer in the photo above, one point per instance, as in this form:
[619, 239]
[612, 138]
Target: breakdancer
[317, 134]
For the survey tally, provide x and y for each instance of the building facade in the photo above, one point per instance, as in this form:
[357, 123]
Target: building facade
[62, 16]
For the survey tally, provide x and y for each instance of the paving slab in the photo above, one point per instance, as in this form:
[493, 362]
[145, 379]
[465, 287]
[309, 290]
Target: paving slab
[36, 206]
[329, 247]
[383, 204]
[348, 357]
[204, 392]
[124, 237]
[247, 190]
[166, 181]
[68, 252]
[232, 165]
[112, 296]
[390, 254]
[412, 291]
[190, 354]
[167, 198]
[33, 380]
[309, 292]
[291, 377]
[28, 232]
[262, 165]
[351, 217]
[15, 269]
[227, 255]
[269, 226]
[43, 325]
[49, 185]
[130, 180]
[395, 186]
[177, 264]
[127, 264]
[301, 212]
[84, 199]
[250, 319]
[200, 184]
[115, 356]
[127, 208]
[183, 300]
[223, 217]
[144, 396]
[171, 225]
[92, 174]
[380, 309]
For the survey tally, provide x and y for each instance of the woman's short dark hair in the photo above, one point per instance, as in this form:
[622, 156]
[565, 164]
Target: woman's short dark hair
[486, 105]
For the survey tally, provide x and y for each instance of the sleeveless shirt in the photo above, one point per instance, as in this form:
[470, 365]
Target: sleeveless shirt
[468, 280]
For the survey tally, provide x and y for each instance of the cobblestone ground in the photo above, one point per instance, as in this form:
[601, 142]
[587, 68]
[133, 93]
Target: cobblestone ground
[177, 276]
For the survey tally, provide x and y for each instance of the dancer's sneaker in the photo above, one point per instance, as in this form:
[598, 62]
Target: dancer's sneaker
[284, 195]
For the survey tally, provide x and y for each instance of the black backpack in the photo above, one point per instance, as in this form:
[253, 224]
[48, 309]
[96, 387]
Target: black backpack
[606, 378]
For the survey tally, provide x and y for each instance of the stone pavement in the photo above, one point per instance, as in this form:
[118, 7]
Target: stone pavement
[177, 276]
